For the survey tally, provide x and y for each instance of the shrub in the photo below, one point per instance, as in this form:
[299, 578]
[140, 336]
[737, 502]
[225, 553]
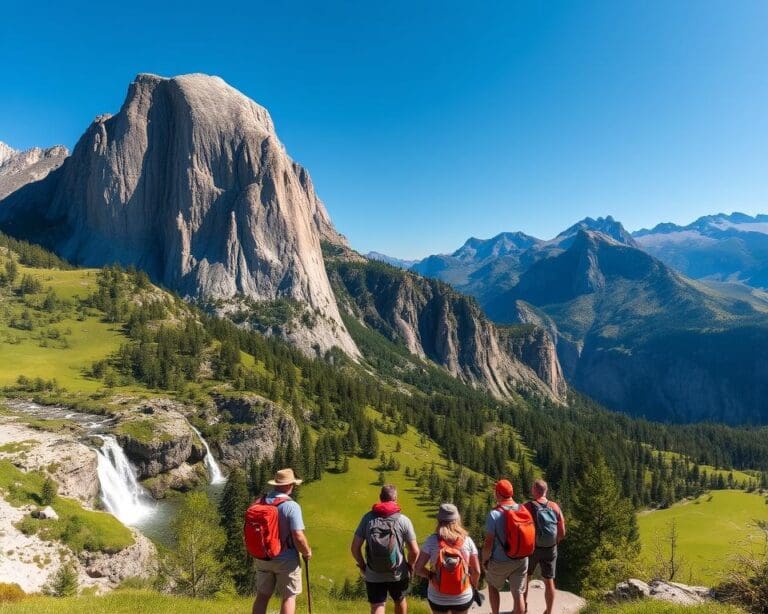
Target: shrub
[63, 583]
[48, 491]
[10, 593]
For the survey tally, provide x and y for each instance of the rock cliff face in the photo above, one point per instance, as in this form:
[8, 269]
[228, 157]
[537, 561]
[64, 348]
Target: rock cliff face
[190, 183]
[157, 439]
[437, 323]
[18, 168]
[260, 428]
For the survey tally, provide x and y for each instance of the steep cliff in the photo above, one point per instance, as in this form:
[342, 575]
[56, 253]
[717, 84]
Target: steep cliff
[190, 183]
[435, 322]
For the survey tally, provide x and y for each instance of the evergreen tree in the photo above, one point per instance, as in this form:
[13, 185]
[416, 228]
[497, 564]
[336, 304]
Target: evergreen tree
[48, 491]
[195, 566]
[64, 582]
[234, 501]
[603, 541]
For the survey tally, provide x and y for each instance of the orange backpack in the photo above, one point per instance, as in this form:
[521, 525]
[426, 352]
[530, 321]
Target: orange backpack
[261, 531]
[520, 531]
[451, 569]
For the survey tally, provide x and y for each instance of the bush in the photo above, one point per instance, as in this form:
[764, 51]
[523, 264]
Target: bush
[10, 593]
[63, 583]
[48, 491]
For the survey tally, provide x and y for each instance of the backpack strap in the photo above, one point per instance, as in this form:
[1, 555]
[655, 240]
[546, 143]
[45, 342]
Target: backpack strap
[503, 509]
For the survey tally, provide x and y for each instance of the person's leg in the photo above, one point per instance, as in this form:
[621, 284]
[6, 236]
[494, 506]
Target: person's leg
[494, 599]
[265, 588]
[289, 605]
[401, 607]
[378, 608]
[518, 581]
[377, 596]
[549, 594]
[260, 603]
[528, 579]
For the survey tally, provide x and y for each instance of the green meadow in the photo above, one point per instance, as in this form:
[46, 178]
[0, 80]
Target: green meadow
[61, 349]
[711, 531]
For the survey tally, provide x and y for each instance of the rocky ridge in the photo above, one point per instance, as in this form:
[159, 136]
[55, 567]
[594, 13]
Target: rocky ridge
[18, 168]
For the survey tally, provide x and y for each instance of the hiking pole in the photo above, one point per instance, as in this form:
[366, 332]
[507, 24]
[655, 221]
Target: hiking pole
[309, 586]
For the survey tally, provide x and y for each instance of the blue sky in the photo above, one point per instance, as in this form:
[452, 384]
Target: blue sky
[425, 123]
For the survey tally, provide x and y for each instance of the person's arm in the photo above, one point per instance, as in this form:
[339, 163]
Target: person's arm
[560, 525]
[420, 568]
[357, 552]
[301, 543]
[413, 553]
[487, 548]
[474, 570]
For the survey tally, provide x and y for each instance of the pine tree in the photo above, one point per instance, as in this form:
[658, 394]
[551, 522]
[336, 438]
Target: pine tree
[64, 582]
[48, 491]
[603, 541]
[195, 567]
[234, 502]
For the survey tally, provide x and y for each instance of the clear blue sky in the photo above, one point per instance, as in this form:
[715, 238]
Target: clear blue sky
[425, 123]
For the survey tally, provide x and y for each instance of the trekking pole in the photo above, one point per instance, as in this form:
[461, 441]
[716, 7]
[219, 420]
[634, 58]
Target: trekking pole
[309, 586]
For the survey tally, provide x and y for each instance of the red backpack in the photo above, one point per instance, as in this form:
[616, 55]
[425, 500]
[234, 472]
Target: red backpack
[520, 531]
[261, 531]
[451, 569]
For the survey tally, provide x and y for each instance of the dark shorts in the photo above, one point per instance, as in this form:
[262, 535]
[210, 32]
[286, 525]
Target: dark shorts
[378, 591]
[452, 608]
[547, 559]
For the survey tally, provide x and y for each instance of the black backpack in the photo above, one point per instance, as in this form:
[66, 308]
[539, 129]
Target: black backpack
[383, 551]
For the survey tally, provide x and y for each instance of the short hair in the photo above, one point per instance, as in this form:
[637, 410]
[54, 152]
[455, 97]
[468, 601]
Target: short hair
[388, 493]
[540, 486]
[283, 487]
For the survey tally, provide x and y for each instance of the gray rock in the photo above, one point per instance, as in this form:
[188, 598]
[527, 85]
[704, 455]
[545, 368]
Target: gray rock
[190, 183]
[261, 428]
[631, 589]
[680, 594]
[47, 513]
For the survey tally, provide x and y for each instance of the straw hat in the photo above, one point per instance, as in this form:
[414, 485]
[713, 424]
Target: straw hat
[284, 477]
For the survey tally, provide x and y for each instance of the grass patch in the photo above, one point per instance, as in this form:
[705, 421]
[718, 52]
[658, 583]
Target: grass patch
[140, 602]
[77, 527]
[711, 530]
[14, 447]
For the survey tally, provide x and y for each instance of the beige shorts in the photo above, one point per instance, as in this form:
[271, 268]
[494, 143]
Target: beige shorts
[282, 577]
[499, 572]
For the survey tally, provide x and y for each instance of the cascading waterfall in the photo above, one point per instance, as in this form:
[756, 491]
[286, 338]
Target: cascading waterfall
[215, 476]
[121, 493]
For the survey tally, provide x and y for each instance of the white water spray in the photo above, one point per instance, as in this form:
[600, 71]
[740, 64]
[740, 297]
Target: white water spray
[121, 493]
[215, 476]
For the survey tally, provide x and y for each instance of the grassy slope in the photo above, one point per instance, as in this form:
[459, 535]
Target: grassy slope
[145, 602]
[90, 340]
[659, 607]
[710, 532]
[331, 523]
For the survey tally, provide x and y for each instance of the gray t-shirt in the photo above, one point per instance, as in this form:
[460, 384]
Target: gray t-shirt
[289, 519]
[405, 533]
[496, 525]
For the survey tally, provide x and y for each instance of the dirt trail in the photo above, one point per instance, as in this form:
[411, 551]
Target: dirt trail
[565, 603]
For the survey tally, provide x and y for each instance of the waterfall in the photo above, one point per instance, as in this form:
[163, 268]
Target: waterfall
[215, 476]
[121, 493]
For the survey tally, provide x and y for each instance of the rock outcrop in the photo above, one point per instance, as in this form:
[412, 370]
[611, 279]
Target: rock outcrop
[437, 323]
[259, 427]
[19, 168]
[190, 183]
[157, 438]
[661, 590]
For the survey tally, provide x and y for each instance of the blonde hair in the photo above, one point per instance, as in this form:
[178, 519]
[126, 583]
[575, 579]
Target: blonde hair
[451, 531]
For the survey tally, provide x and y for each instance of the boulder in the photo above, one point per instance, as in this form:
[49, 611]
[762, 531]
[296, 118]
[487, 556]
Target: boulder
[47, 513]
[680, 594]
[631, 589]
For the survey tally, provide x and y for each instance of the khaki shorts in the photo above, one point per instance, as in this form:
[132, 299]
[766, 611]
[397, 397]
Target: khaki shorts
[282, 577]
[515, 571]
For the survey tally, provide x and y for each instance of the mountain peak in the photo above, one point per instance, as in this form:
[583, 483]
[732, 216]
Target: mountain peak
[6, 152]
[606, 225]
[502, 244]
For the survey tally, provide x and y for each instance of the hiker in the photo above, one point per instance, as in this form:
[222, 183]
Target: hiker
[550, 530]
[386, 534]
[274, 535]
[510, 538]
[454, 567]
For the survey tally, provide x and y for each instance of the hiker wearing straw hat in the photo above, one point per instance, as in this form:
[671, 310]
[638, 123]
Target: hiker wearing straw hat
[274, 535]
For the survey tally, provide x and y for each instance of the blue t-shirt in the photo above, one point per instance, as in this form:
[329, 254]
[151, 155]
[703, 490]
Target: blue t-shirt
[289, 519]
[495, 524]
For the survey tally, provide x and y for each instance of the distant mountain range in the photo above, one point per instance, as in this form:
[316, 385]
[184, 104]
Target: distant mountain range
[631, 331]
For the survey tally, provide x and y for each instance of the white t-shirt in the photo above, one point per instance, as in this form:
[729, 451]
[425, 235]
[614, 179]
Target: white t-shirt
[432, 548]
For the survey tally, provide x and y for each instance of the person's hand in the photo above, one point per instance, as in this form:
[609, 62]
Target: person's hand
[361, 567]
[308, 555]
